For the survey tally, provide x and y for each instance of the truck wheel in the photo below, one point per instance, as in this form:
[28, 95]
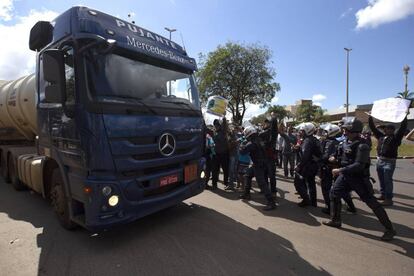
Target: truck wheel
[4, 171]
[14, 178]
[59, 201]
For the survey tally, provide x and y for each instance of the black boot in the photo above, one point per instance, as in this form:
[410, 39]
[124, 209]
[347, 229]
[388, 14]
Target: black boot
[304, 203]
[335, 214]
[351, 206]
[383, 218]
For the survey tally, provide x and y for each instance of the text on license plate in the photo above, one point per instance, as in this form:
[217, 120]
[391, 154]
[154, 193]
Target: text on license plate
[167, 180]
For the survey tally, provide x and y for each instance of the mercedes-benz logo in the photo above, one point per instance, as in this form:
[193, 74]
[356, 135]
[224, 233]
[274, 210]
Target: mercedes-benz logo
[166, 145]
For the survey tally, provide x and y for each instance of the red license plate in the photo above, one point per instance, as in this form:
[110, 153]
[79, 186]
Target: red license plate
[167, 180]
[190, 173]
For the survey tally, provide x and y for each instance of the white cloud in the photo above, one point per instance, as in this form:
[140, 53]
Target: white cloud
[6, 9]
[317, 103]
[383, 11]
[345, 13]
[16, 59]
[253, 110]
[318, 98]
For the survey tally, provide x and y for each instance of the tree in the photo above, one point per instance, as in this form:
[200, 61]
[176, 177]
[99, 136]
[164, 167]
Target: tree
[308, 112]
[240, 73]
[279, 112]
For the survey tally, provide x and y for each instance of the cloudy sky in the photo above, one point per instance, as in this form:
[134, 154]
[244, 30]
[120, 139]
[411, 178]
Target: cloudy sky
[307, 38]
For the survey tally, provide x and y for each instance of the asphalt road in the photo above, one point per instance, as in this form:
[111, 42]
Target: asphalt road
[211, 234]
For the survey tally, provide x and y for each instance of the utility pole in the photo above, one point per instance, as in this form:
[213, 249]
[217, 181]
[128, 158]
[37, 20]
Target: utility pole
[406, 69]
[347, 80]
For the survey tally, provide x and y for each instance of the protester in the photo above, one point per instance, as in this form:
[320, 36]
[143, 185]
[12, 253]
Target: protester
[257, 153]
[354, 175]
[221, 158]
[243, 164]
[209, 153]
[288, 152]
[233, 157]
[387, 153]
[268, 136]
[307, 167]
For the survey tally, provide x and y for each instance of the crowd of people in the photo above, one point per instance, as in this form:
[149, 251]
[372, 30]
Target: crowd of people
[338, 154]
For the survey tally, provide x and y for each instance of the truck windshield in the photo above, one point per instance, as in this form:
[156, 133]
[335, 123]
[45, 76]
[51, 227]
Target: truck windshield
[114, 78]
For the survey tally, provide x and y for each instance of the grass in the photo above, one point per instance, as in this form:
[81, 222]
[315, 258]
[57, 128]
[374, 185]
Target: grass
[403, 150]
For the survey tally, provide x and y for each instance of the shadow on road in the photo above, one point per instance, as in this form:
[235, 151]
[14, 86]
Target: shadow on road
[184, 240]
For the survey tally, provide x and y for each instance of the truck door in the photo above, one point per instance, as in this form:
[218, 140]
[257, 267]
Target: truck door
[57, 127]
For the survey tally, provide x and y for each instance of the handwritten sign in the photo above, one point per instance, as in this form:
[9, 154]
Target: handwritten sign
[391, 110]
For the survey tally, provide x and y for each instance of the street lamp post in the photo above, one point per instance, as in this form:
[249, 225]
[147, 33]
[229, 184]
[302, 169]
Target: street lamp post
[406, 69]
[170, 31]
[347, 79]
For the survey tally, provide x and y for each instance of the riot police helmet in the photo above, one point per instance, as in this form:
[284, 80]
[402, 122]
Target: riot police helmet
[352, 124]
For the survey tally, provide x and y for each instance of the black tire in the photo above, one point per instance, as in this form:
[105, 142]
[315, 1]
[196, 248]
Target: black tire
[14, 178]
[59, 201]
[3, 170]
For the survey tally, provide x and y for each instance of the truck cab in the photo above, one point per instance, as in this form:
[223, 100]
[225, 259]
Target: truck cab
[119, 119]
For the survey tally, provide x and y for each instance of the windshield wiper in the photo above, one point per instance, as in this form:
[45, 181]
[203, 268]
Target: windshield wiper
[132, 100]
[189, 106]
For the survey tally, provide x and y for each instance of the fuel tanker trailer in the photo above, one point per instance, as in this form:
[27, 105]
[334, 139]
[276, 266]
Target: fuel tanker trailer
[109, 127]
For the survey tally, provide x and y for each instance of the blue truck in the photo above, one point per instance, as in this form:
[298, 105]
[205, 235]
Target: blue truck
[109, 128]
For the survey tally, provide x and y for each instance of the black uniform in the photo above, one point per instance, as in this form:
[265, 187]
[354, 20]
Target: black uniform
[307, 169]
[330, 148]
[257, 154]
[268, 137]
[355, 163]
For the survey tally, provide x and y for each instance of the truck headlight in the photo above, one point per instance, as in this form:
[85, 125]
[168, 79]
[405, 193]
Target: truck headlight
[202, 174]
[113, 200]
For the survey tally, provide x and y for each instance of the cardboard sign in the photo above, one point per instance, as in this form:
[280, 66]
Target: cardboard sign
[217, 105]
[391, 110]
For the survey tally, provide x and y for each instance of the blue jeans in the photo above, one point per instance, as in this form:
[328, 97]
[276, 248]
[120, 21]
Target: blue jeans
[385, 170]
[233, 168]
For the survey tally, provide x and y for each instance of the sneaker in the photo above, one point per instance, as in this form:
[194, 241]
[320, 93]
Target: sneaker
[269, 206]
[245, 196]
[332, 223]
[303, 203]
[387, 202]
[388, 235]
[326, 211]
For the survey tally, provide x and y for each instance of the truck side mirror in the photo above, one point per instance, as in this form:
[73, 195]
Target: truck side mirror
[54, 74]
[40, 35]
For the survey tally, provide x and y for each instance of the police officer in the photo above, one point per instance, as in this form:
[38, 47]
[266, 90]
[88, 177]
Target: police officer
[329, 147]
[268, 137]
[354, 175]
[257, 153]
[307, 168]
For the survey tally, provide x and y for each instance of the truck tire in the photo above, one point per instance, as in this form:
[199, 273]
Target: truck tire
[59, 201]
[4, 170]
[13, 175]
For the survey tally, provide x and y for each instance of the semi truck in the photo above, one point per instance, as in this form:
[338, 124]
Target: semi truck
[109, 127]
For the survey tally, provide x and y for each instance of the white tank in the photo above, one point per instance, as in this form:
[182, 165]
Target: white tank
[18, 116]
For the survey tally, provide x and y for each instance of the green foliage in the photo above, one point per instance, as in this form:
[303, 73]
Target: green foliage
[279, 112]
[240, 73]
[308, 112]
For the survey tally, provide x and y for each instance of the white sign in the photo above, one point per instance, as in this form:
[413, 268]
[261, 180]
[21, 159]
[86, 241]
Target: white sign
[391, 110]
